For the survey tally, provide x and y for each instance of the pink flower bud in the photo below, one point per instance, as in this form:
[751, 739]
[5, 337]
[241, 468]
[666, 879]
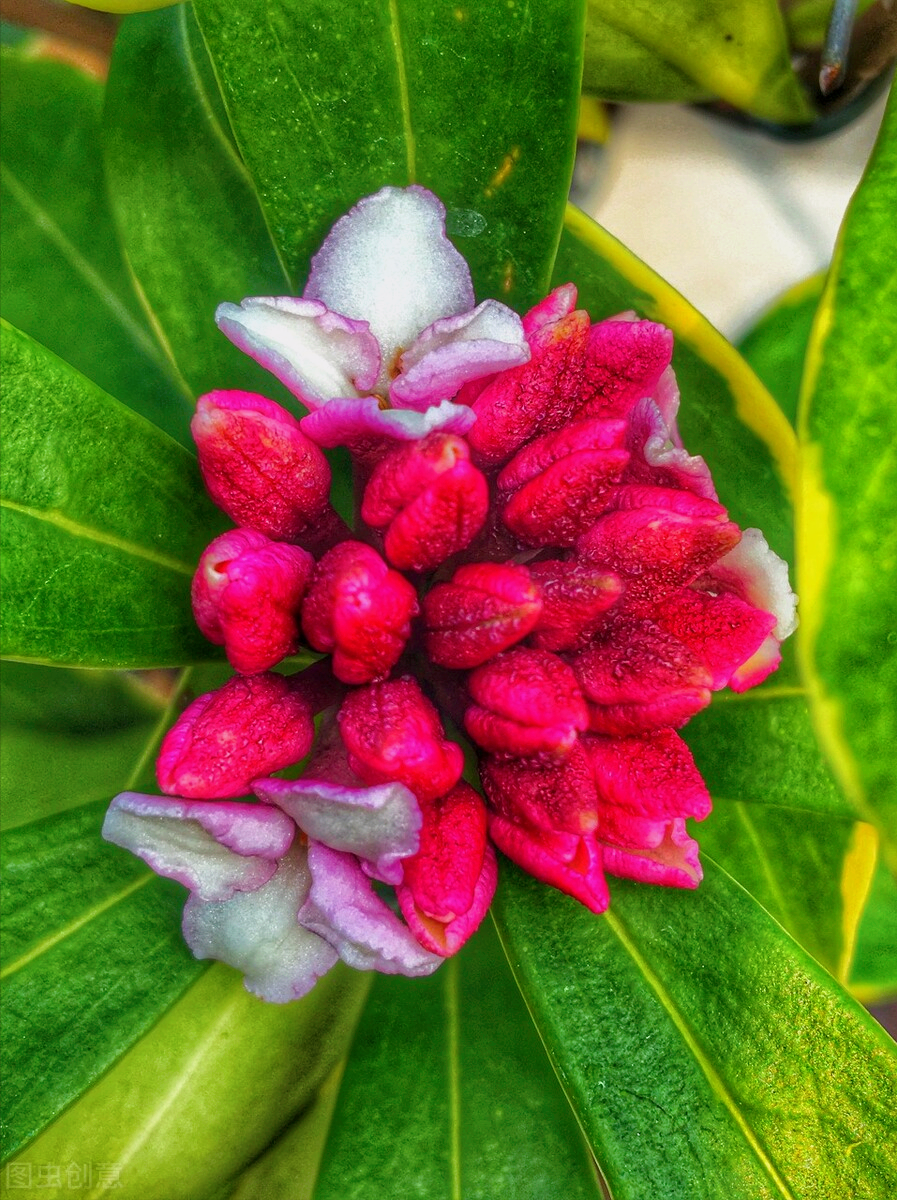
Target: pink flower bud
[575, 597]
[554, 795]
[723, 631]
[576, 370]
[659, 550]
[360, 610]
[258, 465]
[485, 609]
[430, 499]
[647, 787]
[561, 482]
[246, 594]
[526, 702]
[573, 865]
[448, 885]
[226, 739]
[393, 734]
[636, 676]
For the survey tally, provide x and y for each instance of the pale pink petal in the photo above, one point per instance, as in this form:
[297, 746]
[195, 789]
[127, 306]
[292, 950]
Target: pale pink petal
[258, 933]
[215, 848]
[315, 352]
[343, 908]
[346, 421]
[379, 824]
[389, 263]
[455, 350]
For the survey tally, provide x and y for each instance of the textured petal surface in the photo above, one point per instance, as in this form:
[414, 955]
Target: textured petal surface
[581, 875]
[258, 465]
[258, 933]
[214, 848]
[389, 263]
[343, 908]
[393, 732]
[246, 594]
[224, 740]
[484, 609]
[360, 610]
[317, 353]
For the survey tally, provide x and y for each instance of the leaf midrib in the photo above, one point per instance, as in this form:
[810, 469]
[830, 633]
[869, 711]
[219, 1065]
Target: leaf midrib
[76, 529]
[91, 277]
[710, 1073]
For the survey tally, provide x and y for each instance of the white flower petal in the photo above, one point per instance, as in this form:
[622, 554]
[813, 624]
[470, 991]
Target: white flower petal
[258, 933]
[388, 262]
[316, 353]
[213, 847]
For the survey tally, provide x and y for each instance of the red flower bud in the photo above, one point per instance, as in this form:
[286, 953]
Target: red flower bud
[485, 609]
[226, 739]
[258, 465]
[448, 885]
[430, 499]
[393, 734]
[526, 702]
[575, 597]
[360, 610]
[636, 677]
[246, 594]
[554, 795]
[659, 550]
[561, 482]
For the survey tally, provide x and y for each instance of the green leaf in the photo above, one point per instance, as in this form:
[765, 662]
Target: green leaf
[477, 101]
[63, 277]
[808, 871]
[104, 520]
[206, 1090]
[777, 344]
[186, 209]
[847, 535]
[759, 746]
[873, 976]
[619, 67]
[705, 1054]
[738, 52]
[45, 773]
[44, 698]
[454, 1063]
[92, 954]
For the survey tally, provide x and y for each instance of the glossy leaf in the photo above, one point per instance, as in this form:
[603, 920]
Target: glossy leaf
[810, 872]
[737, 52]
[726, 414]
[760, 746]
[44, 773]
[873, 976]
[64, 280]
[706, 1055]
[619, 67]
[205, 1091]
[104, 520]
[477, 101]
[185, 207]
[43, 698]
[92, 953]
[777, 344]
[847, 535]
[448, 1093]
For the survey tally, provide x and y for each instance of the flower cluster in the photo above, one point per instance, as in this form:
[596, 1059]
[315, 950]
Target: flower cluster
[535, 560]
